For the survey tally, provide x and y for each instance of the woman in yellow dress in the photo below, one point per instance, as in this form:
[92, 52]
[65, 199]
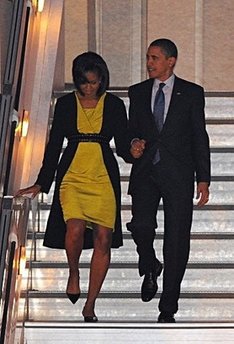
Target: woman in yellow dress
[87, 191]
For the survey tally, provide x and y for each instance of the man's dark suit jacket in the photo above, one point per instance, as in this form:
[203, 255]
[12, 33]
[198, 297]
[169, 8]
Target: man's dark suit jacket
[183, 141]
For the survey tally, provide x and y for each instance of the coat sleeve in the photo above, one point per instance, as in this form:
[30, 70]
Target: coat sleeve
[133, 129]
[53, 149]
[200, 139]
[121, 136]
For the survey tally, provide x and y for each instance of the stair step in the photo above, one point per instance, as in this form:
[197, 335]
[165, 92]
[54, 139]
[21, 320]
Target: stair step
[222, 162]
[219, 121]
[201, 252]
[195, 280]
[126, 265]
[227, 207]
[129, 310]
[221, 196]
[125, 178]
[128, 236]
[212, 221]
[126, 295]
[215, 149]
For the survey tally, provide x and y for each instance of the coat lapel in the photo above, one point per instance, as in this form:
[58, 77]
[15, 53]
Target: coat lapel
[177, 93]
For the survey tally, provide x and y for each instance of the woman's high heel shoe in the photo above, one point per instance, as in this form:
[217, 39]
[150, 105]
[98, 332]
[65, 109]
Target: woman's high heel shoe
[73, 297]
[90, 319]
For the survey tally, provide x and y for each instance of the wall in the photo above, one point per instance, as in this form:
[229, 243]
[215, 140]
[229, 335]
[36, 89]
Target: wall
[76, 32]
[218, 45]
[204, 33]
[202, 29]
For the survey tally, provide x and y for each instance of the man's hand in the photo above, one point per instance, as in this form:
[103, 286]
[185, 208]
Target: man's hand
[202, 193]
[137, 148]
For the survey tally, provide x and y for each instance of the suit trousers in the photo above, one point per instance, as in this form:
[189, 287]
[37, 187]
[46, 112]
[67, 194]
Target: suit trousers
[175, 187]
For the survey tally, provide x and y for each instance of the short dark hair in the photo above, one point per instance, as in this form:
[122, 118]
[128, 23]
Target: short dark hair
[90, 62]
[168, 47]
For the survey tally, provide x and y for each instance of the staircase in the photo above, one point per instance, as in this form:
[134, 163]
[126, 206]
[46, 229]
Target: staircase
[207, 293]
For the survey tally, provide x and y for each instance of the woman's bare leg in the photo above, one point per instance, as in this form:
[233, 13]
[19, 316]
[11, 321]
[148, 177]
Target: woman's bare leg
[99, 266]
[74, 244]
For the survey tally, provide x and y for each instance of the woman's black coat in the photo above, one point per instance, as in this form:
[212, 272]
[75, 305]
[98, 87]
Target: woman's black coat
[64, 126]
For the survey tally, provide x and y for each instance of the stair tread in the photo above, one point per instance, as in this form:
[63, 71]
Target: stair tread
[133, 264]
[128, 294]
[128, 310]
[159, 235]
[47, 206]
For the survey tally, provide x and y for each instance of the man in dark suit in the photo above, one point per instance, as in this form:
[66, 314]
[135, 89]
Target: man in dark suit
[167, 158]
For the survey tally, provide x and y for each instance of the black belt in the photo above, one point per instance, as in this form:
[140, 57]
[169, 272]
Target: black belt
[88, 138]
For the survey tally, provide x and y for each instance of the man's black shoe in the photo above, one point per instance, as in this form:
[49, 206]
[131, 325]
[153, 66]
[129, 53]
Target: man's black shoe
[166, 318]
[149, 286]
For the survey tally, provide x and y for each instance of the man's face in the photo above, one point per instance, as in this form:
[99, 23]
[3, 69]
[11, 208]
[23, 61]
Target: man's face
[158, 65]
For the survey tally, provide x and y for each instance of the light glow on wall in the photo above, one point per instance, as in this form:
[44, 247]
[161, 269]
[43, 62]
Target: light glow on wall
[25, 123]
[40, 5]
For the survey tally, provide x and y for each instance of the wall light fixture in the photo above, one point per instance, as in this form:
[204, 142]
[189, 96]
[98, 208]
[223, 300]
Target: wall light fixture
[25, 123]
[40, 5]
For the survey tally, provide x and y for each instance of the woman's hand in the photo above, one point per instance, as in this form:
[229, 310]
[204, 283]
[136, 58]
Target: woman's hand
[137, 148]
[33, 190]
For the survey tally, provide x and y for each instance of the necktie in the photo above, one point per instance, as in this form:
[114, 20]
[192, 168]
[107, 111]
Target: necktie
[159, 106]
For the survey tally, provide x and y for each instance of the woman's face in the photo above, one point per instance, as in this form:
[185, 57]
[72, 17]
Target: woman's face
[92, 85]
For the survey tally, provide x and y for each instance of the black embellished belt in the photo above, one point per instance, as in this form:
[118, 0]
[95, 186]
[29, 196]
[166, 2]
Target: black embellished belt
[88, 138]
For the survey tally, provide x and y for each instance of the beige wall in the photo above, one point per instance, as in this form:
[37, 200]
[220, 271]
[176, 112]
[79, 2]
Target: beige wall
[115, 31]
[202, 29]
[218, 45]
[175, 20]
[37, 86]
[113, 39]
[204, 33]
[76, 32]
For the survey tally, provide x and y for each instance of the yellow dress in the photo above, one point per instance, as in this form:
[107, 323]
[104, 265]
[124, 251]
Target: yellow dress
[86, 191]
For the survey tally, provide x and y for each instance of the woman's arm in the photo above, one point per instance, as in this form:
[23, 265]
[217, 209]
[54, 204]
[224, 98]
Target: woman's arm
[53, 149]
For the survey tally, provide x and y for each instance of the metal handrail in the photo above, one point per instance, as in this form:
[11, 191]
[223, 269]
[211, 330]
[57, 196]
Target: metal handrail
[4, 324]
[13, 233]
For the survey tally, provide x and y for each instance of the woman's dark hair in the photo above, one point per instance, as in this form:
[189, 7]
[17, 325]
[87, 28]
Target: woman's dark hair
[168, 47]
[90, 62]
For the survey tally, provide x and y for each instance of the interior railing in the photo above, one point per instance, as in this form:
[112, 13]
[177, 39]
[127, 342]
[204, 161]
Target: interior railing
[13, 236]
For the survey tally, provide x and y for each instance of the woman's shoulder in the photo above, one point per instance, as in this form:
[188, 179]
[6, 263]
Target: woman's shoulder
[66, 97]
[112, 96]
[113, 99]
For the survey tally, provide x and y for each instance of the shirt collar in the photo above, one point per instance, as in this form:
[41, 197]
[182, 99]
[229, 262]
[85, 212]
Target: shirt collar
[169, 82]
